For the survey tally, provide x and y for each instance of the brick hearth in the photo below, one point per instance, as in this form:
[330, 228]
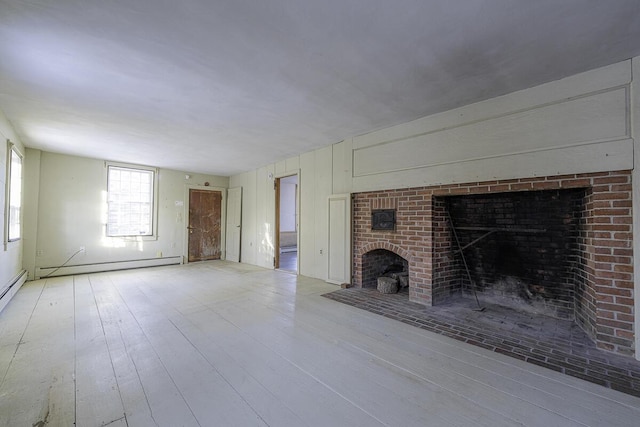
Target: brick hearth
[602, 270]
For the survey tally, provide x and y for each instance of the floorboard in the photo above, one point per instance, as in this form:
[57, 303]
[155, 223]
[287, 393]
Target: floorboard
[220, 343]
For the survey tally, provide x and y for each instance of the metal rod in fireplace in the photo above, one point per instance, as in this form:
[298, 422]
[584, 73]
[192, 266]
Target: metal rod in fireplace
[490, 231]
[464, 261]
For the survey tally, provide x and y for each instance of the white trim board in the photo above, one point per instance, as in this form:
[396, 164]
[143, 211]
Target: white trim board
[12, 288]
[42, 272]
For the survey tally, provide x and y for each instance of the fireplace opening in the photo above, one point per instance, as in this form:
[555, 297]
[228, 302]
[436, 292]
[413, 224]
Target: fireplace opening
[382, 263]
[522, 250]
[560, 246]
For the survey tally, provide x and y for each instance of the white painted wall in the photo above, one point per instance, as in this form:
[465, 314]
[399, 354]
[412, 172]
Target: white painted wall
[31, 201]
[70, 205]
[575, 125]
[258, 210]
[11, 253]
[248, 238]
[288, 189]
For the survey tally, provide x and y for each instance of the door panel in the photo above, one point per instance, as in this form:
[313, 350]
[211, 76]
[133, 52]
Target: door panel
[339, 239]
[234, 224]
[205, 215]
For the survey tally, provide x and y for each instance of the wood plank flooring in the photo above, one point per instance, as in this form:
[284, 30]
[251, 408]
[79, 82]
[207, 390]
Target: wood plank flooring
[289, 261]
[225, 344]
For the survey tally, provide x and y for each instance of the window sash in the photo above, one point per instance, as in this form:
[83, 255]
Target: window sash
[14, 197]
[130, 200]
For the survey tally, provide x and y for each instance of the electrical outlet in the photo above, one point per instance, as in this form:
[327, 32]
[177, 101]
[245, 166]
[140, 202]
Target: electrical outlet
[39, 252]
[82, 249]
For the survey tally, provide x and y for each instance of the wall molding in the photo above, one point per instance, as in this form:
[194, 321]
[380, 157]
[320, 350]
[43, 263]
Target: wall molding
[11, 288]
[576, 122]
[45, 272]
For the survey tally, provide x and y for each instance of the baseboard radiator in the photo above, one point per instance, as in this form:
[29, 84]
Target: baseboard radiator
[68, 270]
[10, 289]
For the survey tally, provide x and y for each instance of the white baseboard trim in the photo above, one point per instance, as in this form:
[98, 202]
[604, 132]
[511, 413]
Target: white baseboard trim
[42, 272]
[11, 288]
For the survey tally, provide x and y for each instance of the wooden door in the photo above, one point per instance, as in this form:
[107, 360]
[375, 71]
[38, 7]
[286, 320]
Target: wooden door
[205, 216]
[234, 224]
[339, 239]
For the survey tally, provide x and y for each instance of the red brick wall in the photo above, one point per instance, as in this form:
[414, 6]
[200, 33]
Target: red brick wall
[608, 260]
[604, 280]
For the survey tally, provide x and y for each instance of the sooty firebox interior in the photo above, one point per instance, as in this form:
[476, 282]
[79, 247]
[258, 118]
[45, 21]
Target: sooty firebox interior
[521, 249]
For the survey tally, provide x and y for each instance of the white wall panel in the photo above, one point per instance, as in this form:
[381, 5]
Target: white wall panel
[265, 216]
[307, 229]
[280, 167]
[339, 232]
[322, 190]
[248, 246]
[582, 121]
[31, 209]
[605, 78]
[342, 166]
[288, 213]
[550, 129]
[616, 155]
[10, 254]
[288, 166]
[292, 164]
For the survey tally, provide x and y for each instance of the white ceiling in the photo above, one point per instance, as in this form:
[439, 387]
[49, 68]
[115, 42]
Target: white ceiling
[225, 86]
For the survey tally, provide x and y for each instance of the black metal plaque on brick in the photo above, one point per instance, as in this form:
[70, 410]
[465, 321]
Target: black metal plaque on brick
[383, 219]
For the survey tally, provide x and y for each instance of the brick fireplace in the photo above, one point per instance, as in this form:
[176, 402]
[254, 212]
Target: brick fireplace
[558, 246]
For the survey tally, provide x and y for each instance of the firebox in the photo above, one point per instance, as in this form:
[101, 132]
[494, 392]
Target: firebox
[378, 262]
[520, 249]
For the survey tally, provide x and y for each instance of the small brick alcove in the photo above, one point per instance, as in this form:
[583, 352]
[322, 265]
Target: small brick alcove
[377, 261]
[583, 258]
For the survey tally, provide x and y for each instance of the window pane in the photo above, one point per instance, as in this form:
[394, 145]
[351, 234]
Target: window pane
[15, 195]
[130, 202]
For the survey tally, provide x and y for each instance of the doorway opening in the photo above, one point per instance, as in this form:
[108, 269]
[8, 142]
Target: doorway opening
[286, 254]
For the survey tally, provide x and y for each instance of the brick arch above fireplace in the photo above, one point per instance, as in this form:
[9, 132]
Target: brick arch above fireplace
[386, 246]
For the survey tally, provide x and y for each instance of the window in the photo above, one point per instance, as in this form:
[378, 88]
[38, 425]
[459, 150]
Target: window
[14, 197]
[130, 199]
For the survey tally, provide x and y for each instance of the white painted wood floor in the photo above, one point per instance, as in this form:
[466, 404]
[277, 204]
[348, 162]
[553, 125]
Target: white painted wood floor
[224, 344]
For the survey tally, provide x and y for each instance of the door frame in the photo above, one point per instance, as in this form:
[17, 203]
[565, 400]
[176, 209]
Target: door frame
[226, 225]
[185, 222]
[276, 218]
